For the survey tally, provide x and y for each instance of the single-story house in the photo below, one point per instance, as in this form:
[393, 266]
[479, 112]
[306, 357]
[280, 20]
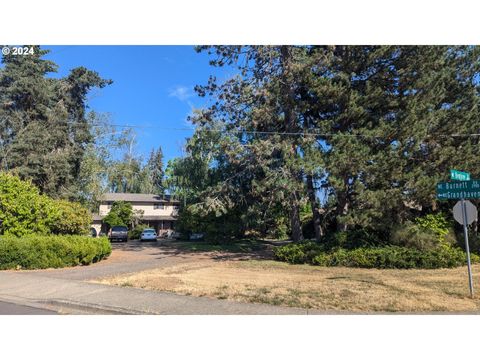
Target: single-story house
[157, 211]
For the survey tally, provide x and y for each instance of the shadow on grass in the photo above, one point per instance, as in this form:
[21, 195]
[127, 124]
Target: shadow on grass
[245, 249]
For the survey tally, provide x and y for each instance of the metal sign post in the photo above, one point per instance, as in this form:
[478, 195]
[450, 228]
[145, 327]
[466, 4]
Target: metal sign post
[462, 187]
[467, 248]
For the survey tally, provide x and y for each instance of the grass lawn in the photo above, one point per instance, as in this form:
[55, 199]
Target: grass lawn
[332, 289]
[239, 246]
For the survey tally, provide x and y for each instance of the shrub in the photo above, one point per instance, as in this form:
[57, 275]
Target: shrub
[22, 208]
[136, 231]
[387, 257]
[71, 218]
[25, 211]
[438, 225]
[426, 233]
[298, 253]
[121, 214]
[414, 236]
[355, 238]
[52, 251]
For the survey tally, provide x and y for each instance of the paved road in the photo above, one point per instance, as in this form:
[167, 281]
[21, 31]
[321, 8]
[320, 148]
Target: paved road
[128, 257]
[14, 309]
[79, 297]
[67, 290]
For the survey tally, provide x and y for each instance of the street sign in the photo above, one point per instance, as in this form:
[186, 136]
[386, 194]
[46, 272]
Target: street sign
[471, 212]
[458, 190]
[464, 211]
[459, 175]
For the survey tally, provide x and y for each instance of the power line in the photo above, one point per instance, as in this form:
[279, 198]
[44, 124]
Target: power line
[255, 132]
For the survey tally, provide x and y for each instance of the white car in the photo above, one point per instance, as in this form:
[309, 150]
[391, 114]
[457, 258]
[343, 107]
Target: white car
[148, 235]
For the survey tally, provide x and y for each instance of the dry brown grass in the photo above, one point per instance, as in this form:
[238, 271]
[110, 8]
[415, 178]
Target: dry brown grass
[338, 289]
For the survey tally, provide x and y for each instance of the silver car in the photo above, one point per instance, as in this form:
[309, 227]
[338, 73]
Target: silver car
[148, 235]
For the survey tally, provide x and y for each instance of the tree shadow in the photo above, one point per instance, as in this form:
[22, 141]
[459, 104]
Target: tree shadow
[177, 249]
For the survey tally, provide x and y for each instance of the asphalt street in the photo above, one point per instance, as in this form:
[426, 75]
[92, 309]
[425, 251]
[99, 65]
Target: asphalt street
[14, 309]
[69, 290]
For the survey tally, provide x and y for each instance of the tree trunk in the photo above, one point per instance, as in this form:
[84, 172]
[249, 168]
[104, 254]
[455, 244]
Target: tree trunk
[317, 225]
[342, 209]
[288, 105]
[295, 223]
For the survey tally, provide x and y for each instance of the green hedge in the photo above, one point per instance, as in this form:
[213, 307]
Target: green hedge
[24, 210]
[51, 251]
[388, 257]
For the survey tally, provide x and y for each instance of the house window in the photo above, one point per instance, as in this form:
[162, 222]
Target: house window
[159, 206]
[176, 207]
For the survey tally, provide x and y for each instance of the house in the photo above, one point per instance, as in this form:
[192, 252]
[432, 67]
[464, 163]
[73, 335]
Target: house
[157, 211]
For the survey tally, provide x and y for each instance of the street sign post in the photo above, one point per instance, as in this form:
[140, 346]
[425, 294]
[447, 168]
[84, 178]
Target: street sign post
[462, 188]
[467, 248]
[459, 175]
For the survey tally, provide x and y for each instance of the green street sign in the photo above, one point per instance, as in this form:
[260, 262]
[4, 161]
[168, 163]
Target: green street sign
[458, 190]
[459, 175]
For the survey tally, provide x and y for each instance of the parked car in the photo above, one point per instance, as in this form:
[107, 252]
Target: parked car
[119, 233]
[170, 234]
[148, 235]
[176, 235]
[197, 236]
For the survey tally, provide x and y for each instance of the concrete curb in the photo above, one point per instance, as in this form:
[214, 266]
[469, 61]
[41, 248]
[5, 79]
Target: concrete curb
[77, 297]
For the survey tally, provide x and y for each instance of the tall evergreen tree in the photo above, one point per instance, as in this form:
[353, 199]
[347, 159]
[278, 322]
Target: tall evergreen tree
[260, 100]
[43, 127]
[387, 115]
[155, 170]
[383, 124]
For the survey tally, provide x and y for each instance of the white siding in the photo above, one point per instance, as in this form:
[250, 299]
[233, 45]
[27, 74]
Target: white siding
[148, 209]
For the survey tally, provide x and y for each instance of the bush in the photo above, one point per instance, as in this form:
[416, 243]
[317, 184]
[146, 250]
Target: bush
[71, 218]
[121, 214]
[22, 208]
[53, 251]
[436, 223]
[387, 257]
[298, 253]
[136, 231]
[414, 236]
[25, 211]
[355, 238]
[426, 233]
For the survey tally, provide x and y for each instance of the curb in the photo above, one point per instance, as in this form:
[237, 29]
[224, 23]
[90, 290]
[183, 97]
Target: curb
[66, 307]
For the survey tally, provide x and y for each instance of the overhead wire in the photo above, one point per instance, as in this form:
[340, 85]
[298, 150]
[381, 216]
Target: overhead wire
[256, 132]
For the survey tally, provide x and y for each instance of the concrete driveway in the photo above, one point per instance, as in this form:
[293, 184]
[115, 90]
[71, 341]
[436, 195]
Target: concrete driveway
[127, 257]
[67, 291]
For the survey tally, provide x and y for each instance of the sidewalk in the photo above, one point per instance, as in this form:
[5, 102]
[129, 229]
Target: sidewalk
[76, 297]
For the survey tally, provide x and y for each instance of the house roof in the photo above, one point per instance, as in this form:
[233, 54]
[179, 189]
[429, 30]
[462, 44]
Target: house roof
[146, 198]
[97, 217]
[158, 217]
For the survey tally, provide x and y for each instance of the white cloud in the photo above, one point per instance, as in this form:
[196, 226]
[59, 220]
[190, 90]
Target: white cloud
[182, 93]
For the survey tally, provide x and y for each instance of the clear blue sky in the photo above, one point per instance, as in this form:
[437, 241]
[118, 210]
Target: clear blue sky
[152, 86]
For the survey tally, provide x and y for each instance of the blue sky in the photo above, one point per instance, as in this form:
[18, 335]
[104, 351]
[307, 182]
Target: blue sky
[152, 86]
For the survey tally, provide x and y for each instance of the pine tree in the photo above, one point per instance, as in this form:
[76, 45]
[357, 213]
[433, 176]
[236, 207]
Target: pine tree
[262, 98]
[383, 124]
[44, 131]
[155, 170]
[388, 114]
